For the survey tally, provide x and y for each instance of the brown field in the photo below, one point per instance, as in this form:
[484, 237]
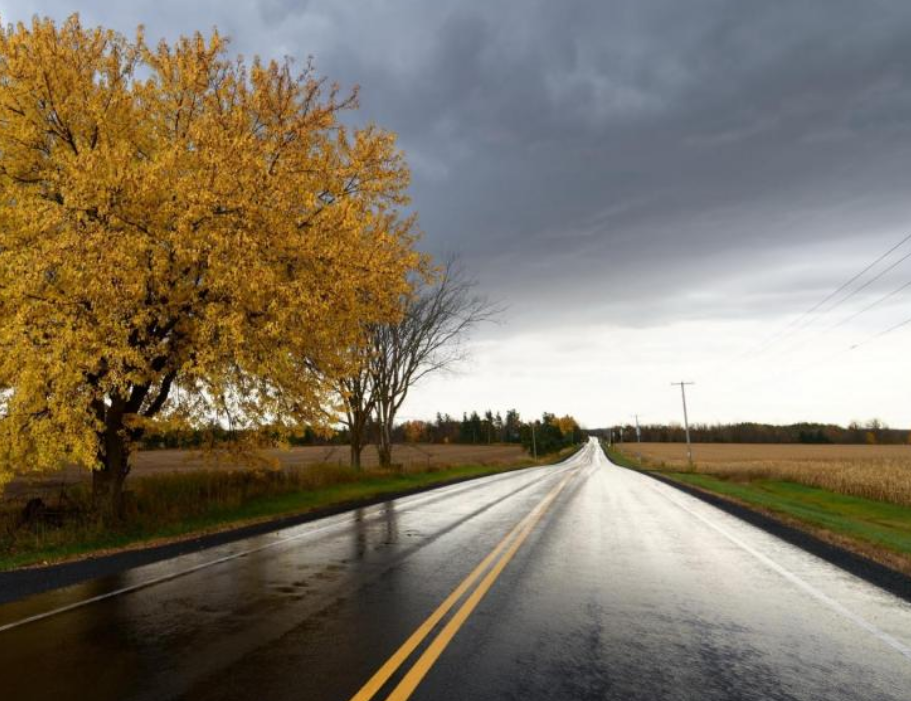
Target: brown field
[157, 462]
[880, 472]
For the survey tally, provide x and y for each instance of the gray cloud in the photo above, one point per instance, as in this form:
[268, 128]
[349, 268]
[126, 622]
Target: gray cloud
[615, 152]
[651, 186]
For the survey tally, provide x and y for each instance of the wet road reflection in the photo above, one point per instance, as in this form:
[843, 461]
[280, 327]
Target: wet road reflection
[162, 641]
[625, 589]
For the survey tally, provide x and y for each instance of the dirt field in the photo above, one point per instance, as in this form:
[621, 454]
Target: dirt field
[880, 472]
[153, 462]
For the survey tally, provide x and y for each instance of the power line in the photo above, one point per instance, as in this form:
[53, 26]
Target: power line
[858, 313]
[816, 362]
[881, 333]
[869, 282]
[787, 373]
[870, 306]
[787, 329]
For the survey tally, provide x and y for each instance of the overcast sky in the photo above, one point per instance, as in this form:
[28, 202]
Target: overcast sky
[652, 188]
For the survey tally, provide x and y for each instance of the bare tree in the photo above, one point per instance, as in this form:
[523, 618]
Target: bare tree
[436, 320]
[359, 400]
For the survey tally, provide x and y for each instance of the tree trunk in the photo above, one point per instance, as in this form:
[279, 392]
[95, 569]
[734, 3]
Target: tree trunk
[357, 431]
[385, 455]
[356, 450]
[384, 446]
[108, 479]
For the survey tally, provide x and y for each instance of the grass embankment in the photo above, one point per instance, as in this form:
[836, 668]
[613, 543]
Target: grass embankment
[165, 508]
[841, 512]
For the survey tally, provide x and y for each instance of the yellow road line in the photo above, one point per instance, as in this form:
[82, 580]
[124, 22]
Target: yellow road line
[420, 668]
[393, 663]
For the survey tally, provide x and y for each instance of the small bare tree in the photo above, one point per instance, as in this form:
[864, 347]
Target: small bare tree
[437, 318]
[359, 400]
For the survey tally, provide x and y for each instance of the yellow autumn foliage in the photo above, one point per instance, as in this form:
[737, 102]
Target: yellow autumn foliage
[183, 235]
[567, 424]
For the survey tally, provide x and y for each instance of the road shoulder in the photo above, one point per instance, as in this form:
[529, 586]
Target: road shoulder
[23, 582]
[823, 544]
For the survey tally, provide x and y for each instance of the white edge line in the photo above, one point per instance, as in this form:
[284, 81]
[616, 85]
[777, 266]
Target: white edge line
[418, 499]
[820, 596]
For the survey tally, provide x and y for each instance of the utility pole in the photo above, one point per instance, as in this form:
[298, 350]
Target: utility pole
[638, 439]
[686, 421]
[534, 445]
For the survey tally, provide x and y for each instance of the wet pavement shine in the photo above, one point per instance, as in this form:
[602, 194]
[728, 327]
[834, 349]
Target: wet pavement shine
[581, 580]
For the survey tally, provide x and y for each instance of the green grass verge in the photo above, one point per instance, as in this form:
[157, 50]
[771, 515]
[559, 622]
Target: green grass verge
[620, 458]
[84, 541]
[875, 522]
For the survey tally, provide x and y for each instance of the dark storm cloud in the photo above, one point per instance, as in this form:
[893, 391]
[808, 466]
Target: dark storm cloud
[620, 153]
[626, 151]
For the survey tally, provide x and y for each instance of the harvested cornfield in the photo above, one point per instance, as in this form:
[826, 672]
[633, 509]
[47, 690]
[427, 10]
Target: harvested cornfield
[881, 472]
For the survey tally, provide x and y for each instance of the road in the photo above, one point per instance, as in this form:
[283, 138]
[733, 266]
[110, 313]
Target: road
[576, 581]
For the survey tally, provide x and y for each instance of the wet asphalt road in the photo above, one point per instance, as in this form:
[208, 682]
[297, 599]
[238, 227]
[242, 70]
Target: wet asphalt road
[600, 583]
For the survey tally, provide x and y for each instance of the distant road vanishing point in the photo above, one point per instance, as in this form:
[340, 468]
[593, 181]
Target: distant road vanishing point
[581, 580]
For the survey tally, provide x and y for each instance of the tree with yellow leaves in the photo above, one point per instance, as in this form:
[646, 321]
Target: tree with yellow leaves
[567, 425]
[183, 236]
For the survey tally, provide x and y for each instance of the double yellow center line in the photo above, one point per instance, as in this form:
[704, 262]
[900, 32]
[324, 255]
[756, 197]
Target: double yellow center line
[493, 564]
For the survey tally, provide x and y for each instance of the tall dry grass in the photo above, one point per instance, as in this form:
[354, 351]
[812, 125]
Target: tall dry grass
[870, 471]
[154, 463]
[159, 502]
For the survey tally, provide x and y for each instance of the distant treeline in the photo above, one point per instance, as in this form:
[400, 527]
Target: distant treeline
[551, 433]
[871, 432]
